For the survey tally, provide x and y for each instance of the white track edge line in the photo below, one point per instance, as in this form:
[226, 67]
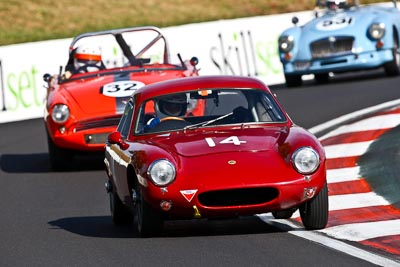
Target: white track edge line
[344, 118]
[330, 242]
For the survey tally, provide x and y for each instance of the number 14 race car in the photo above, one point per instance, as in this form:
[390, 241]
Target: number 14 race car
[343, 37]
[239, 155]
[85, 101]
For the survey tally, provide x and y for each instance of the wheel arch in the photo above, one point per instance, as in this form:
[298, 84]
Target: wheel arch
[131, 177]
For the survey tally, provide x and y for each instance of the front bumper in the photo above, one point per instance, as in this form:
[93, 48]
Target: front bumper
[353, 62]
[201, 202]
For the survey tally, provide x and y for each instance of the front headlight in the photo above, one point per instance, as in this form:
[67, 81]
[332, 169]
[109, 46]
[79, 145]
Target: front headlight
[305, 160]
[376, 31]
[60, 113]
[286, 43]
[161, 172]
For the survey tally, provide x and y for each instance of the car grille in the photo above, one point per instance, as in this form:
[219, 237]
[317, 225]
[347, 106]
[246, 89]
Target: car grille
[332, 46]
[238, 197]
[98, 123]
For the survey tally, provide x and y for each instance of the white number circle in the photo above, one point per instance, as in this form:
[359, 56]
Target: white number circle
[334, 23]
[121, 88]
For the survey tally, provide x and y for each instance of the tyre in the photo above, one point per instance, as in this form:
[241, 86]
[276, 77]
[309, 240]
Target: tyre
[60, 158]
[321, 78]
[147, 221]
[293, 80]
[314, 213]
[121, 214]
[392, 68]
[283, 214]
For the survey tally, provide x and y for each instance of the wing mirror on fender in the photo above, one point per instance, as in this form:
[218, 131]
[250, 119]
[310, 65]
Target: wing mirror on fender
[46, 77]
[295, 20]
[194, 61]
[115, 138]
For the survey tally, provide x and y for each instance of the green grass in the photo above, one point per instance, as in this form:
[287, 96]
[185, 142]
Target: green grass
[26, 21]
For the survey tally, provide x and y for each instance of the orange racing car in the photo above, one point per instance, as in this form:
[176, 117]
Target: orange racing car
[85, 100]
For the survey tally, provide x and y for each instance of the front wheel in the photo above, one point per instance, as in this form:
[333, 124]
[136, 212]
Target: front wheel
[119, 212]
[321, 78]
[314, 213]
[392, 68]
[60, 158]
[147, 221]
[293, 80]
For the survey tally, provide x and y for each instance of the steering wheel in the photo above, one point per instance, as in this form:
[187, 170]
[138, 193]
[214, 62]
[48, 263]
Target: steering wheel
[171, 118]
[85, 68]
[168, 124]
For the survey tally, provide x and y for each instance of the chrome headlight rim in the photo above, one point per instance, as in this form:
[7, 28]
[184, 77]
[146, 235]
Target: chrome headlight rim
[161, 172]
[60, 113]
[305, 160]
[286, 43]
[376, 31]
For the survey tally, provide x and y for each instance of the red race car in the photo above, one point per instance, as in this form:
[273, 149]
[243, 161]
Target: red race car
[241, 155]
[86, 99]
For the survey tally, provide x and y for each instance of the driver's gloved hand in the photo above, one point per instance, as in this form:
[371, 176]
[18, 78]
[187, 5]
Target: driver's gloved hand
[152, 122]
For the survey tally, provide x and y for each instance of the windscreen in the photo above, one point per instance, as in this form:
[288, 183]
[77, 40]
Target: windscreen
[207, 108]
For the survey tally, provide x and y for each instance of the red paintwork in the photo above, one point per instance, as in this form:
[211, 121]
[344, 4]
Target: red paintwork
[263, 161]
[82, 94]
[87, 103]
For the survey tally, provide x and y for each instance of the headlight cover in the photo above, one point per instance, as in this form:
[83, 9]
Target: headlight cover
[60, 113]
[305, 160]
[376, 31]
[286, 43]
[162, 172]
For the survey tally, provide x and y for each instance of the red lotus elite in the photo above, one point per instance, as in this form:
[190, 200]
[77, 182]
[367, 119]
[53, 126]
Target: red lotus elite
[242, 155]
[86, 99]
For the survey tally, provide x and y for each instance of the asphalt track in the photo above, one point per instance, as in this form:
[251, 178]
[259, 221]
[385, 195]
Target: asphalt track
[62, 218]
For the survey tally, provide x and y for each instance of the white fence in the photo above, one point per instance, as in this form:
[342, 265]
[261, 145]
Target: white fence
[245, 47]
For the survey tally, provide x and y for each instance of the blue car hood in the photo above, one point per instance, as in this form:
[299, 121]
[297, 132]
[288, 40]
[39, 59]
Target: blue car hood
[346, 23]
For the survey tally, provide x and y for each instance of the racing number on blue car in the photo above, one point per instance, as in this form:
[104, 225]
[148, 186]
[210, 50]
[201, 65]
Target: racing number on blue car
[121, 88]
[230, 140]
[334, 23]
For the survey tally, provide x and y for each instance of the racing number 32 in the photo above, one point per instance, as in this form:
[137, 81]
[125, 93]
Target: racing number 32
[230, 140]
[121, 88]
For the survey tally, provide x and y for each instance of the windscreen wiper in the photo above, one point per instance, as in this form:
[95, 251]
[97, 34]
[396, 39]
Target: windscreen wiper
[205, 123]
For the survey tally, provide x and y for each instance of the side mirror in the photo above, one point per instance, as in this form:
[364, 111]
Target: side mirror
[115, 138]
[194, 61]
[46, 77]
[295, 20]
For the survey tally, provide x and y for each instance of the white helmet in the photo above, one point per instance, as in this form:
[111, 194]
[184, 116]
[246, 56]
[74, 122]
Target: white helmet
[335, 4]
[87, 59]
[171, 105]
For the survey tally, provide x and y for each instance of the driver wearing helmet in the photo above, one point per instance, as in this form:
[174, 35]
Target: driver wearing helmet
[171, 106]
[335, 4]
[87, 59]
[84, 59]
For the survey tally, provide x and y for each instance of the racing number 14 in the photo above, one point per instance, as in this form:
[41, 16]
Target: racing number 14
[230, 140]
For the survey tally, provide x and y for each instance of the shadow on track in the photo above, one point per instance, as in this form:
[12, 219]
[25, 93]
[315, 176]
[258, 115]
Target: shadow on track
[102, 226]
[39, 163]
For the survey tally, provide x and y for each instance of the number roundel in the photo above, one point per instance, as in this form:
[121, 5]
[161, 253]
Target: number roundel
[334, 23]
[121, 88]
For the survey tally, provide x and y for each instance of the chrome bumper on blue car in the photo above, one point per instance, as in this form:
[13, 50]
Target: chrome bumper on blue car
[352, 62]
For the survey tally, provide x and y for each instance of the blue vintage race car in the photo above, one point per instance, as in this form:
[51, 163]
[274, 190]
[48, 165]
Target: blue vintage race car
[343, 36]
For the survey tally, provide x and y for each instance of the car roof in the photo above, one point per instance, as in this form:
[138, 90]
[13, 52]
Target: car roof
[196, 83]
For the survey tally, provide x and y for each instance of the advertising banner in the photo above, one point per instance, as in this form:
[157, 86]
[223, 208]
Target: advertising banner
[246, 47]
